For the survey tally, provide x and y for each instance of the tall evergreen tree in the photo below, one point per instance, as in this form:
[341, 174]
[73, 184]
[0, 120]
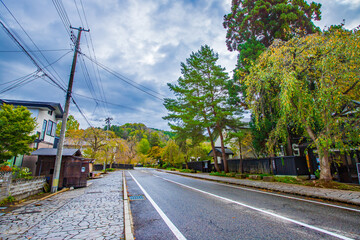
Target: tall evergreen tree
[201, 98]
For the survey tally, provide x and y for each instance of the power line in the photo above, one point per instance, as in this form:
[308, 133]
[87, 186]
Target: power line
[20, 78]
[47, 61]
[39, 68]
[42, 50]
[124, 79]
[81, 112]
[20, 83]
[98, 80]
[63, 17]
[115, 104]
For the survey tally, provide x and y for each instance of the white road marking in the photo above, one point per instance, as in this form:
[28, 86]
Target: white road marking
[284, 196]
[172, 227]
[262, 211]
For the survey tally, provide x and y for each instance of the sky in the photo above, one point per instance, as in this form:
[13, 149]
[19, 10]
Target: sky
[133, 49]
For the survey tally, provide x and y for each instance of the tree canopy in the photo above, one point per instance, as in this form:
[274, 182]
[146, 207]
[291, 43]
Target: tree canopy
[201, 98]
[266, 20]
[318, 79]
[71, 124]
[16, 126]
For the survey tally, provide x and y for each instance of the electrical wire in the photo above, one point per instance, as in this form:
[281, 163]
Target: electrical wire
[20, 83]
[97, 77]
[39, 68]
[99, 100]
[63, 17]
[124, 79]
[47, 61]
[18, 79]
[42, 50]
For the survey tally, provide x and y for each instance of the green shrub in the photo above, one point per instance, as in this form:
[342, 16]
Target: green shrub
[110, 169]
[46, 188]
[317, 173]
[7, 200]
[171, 169]
[230, 174]
[21, 173]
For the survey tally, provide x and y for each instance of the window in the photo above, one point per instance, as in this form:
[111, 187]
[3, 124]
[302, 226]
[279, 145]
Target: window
[50, 113]
[42, 136]
[53, 130]
[49, 128]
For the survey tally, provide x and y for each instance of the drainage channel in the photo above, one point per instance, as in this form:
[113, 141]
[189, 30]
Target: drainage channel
[137, 197]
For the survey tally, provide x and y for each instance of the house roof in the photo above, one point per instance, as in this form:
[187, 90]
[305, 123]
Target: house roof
[53, 151]
[56, 107]
[218, 149]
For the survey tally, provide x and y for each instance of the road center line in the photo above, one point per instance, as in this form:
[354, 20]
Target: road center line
[262, 211]
[283, 196]
[172, 227]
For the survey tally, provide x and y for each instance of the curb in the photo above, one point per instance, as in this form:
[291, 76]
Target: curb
[128, 226]
[316, 195]
[53, 194]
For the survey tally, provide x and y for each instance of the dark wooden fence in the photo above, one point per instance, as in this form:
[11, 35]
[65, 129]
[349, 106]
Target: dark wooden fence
[99, 167]
[289, 165]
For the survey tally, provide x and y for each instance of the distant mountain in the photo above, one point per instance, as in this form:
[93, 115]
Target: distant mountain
[140, 130]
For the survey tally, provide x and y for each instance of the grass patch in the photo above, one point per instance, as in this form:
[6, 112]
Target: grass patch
[188, 170]
[332, 185]
[287, 179]
[171, 169]
[220, 174]
[9, 199]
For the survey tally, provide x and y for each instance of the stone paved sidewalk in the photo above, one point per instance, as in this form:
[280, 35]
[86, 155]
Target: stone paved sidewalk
[351, 197]
[94, 212]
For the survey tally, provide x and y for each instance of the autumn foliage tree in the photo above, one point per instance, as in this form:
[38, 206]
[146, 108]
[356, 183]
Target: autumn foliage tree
[252, 26]
[318, 79]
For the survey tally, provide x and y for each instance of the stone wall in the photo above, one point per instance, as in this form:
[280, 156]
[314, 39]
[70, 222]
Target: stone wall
[19, 188]
[5, 181]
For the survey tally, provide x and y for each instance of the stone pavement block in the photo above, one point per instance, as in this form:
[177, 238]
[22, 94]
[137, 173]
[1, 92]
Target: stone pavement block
[77, 214]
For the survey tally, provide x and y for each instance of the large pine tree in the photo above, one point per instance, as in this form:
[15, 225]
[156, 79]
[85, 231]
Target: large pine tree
[201, 98]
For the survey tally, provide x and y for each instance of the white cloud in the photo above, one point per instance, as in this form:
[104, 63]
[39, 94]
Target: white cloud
[354, 3]
[143, 40]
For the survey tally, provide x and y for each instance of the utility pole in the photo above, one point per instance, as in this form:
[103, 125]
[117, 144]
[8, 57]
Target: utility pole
[107, 121]
[57, 168]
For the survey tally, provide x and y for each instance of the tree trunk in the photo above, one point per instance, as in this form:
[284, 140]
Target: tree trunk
[213, 149]
[226, 168]
[241, 158]
[289, 150]
[325, 171]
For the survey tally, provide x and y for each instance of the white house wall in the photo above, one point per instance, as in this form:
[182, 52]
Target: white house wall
[42, 114]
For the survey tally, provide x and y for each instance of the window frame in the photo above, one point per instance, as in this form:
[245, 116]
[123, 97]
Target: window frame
[49, 128]
[43, 130]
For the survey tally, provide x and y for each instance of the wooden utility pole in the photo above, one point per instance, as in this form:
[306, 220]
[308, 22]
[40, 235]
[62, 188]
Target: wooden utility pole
[57, 168]
[108, 122]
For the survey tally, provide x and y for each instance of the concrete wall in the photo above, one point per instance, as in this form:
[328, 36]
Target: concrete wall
[20, 188]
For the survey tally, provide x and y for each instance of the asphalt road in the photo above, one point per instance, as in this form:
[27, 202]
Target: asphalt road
[177, 207]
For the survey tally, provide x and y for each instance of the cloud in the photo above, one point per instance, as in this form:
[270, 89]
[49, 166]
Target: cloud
[145, 41]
